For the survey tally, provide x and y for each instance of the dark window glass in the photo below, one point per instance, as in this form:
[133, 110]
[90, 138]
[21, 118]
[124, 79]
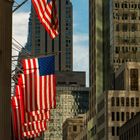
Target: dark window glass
[113, 116]
[132, 114]
[124, 27]
[117, 116]
[112, 101]
[127, 116]
[113, 131]
[127, 101]
[122, 101]
[122, 116]
[139, 6]
[116, 5]
[74, 128]
[134, 79]
[117, 101]
[133, 16]
[132, 102]
[125, 16]
[117, 49]
[117, 131]
[137, 102]
[133, 27]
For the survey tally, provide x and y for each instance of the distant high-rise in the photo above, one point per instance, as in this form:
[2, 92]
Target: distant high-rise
[71, 101]
[39, 43]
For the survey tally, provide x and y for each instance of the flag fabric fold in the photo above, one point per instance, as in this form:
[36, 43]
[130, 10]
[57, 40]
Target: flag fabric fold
[47, 14]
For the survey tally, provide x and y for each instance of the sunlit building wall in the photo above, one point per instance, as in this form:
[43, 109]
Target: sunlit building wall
[125, 32]
[116, 107]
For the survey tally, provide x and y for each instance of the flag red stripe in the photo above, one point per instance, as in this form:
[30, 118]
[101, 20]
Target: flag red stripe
[44, 13]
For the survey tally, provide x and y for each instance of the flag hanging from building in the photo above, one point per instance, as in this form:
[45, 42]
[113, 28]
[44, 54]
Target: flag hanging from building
[32, 125]
[40, 84]
[21, 131]
[35, 95]
[47, 14]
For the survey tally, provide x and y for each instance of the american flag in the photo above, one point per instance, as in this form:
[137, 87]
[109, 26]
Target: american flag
[40, 84]
[26, 117]
[33, 126]
[20, 130]
[47, 14]
[35, 95]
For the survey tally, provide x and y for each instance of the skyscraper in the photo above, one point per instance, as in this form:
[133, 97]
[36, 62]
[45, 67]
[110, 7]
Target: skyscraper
[39, 43]
[98, 50]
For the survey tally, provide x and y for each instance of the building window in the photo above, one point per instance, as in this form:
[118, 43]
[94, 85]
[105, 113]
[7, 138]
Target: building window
[132, 114]
[113, 131]
[117, 27]
[113, 116]
[134, 79]
[125, 16]
[112, 101]
[117, 116]
[133, 27]
[122, 101]
[139, 5]
[127, 116]
[137, 102]
[117, 49]
[133, 16]
[124, 27]
[132, 102]
[122, 116]
[116, 5]
[127, 101]
[74, 128]
[117, 131]
[117, 101]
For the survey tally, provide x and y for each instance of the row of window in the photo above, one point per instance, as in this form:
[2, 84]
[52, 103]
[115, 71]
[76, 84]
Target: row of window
[127, 40]
[121, 116]
[131, 133]
[122, 101]
[126, 27]
[125, 49]
[125, 16]
[122, 61]
[125, 101]
[127, 5]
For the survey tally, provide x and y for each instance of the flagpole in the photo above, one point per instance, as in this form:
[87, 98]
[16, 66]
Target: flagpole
[5, 68]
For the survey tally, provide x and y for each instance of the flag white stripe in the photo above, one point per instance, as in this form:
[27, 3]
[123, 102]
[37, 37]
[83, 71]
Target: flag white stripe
[43, 90]
[52, 91]
[28, 85]
[47, 87]
[33, 84]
